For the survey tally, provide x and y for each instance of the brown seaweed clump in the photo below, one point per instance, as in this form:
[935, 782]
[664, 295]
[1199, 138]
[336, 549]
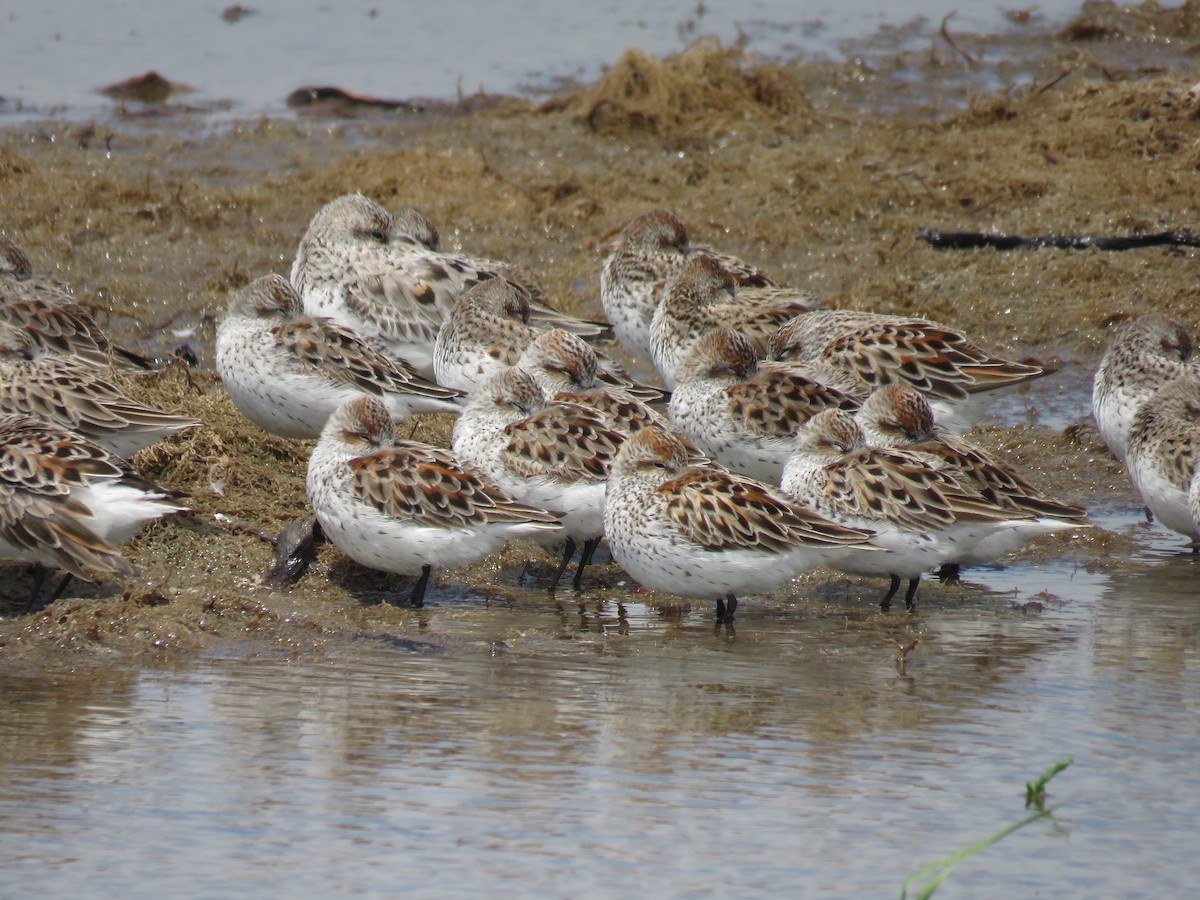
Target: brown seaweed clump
[1148, 21]
[707, 85]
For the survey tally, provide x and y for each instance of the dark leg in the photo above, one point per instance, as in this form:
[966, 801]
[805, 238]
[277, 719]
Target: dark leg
[911, 597]
[39, 581]
[886, 603]
[589, 547]
[568, 552]
[417, 598]
[726, 608]
[62, 586]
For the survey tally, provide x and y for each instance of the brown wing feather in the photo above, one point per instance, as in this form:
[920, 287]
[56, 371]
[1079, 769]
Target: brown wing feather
[39, 465]
[339, 354]
[565, 442]
[615, 378]
[997, 481]
[999, 372]
[401, 308]
[722, 511]
[901, 487]
[44, 459]
[620, 409]
[57, 328]
[744, 273]
[73, 393]
[51, 525]
[774, 403]
[544, 314]
[426, 485]
[929, 358]
[759, 318]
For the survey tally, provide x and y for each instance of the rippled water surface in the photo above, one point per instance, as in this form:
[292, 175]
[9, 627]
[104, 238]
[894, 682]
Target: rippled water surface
[586, 746]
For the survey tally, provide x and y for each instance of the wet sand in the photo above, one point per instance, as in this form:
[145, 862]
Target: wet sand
[821, 173]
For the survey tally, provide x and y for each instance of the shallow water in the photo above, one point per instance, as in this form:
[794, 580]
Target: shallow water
[54, 56]
[552, 749]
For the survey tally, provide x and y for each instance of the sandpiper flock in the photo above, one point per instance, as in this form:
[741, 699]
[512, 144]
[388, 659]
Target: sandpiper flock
[780, 434]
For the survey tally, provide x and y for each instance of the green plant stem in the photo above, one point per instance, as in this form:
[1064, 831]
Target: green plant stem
[1035, 792]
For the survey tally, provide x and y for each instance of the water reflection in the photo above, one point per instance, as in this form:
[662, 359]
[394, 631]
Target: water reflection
[43, 717]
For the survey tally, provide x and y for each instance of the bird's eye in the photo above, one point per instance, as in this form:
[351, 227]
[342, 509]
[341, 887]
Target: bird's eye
[378, 235]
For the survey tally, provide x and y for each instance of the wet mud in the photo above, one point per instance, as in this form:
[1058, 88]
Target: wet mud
[822, 173]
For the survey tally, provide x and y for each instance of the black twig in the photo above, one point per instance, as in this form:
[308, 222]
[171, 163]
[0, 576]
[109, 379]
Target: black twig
[970, 240]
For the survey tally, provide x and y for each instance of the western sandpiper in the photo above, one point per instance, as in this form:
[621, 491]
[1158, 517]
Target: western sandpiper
[899, 416]
[77, 396]
[491, 328]
[704, 532]
[567, 370]
[403, 506]
[551, 455]
[921, 514]
[52, 316]
[702, 296]
[288, 372]
[357, 265]
[1163, 453]
[67, 502]
[742, 415]
[484, 333]
[650, 250]
[1144, 354]
[564, 362]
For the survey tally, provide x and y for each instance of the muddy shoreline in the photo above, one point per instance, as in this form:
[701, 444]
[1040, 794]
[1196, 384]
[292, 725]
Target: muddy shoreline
[818, 172]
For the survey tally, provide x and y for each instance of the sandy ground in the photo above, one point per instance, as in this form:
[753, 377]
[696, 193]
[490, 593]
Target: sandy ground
[821, 173]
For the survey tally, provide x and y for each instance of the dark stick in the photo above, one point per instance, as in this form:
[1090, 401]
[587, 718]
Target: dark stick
[949, 40]
[970, 240]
